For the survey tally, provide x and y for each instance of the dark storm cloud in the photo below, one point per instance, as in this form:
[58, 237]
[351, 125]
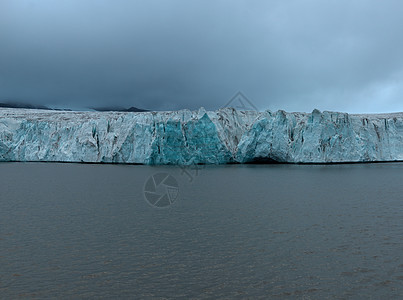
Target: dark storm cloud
[155, 54]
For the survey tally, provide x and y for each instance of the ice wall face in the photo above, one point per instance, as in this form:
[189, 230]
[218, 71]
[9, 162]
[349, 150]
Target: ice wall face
[323, 138]
[186, 137]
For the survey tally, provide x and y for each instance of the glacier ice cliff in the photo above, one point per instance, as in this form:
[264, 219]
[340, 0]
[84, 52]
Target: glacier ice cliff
[199, 137]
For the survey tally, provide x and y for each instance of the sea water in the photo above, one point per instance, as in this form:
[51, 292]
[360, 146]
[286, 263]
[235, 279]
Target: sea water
[233, 231]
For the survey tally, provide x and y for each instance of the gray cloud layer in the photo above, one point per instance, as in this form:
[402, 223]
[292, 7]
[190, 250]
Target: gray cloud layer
[170, 54]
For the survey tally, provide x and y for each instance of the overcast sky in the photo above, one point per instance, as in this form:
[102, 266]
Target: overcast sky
[341, 55]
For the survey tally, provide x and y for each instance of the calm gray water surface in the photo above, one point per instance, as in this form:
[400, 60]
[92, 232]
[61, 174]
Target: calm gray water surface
[286, 231]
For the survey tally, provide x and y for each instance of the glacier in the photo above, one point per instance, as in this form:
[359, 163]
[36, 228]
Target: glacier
[199, 137]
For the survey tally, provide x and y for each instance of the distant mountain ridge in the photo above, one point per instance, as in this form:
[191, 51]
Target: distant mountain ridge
[29, 106]
[101, 109]
[23, 105]
[118, 108]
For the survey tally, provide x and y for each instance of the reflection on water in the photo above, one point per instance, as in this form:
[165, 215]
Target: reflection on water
[255, 231]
